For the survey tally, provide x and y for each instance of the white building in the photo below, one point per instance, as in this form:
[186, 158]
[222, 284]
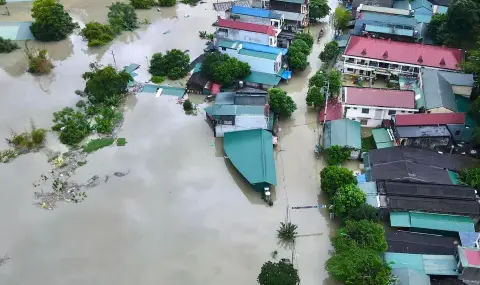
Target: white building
[370, 106]
[246, 32]
[255, 16]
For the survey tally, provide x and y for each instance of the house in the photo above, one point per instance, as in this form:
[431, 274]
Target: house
[398, 27]
[259, 61]
[245, 96]
[428, 137]
[377, 3]
[248, 32]
[295, 13]
[370, 57]
[255, 16]
[468, 264]
[264, 80]
[370, 106]
[404, 242]
[425, 265]
[343, 133]
[198, 83]
[419, 221]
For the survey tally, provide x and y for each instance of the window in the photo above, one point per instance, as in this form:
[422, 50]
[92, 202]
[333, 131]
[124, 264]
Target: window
[349, 69]
[304, 9]
[457, 133]
[224, 48]
[354, 108]
[363, 122]
[391, 112]
[365, 111]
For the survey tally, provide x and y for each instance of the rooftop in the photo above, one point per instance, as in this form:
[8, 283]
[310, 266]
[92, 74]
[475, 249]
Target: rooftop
[470, 257]
[291, 16]
[432, 221]
[343, 132]
[255, 28]
[432, 205]
[388, 19]
[410, 53]
[438, 91]
[334, 110]
[263, 78]
[429, 119]
[380, 3]
[384, 10]
[292, 1]
[419, 243]
[424, 263]
[255, 12]
[370, 190]
[234, 110]
[382, 138]
[258, 54]
[422, 132]
[16, 31]
[252, 46]
[427, 190]
[408, 276]
[418, 5]
[380, 97]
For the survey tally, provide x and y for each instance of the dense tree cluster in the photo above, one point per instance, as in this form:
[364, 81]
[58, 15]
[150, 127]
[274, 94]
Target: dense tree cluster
[341, 18]
[280, 103]
[331, 78]
[223, 69]
[97, 34]
[122, 17]
[330, 53]
[279, 273]
[299, 50]
[174, 64]
[51, 22]
[337, 155]
[106, 86]
[142, 4]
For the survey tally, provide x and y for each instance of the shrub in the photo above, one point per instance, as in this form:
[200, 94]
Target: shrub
[72, 125]
[97, 34]
[3, 2]
[7, 46]
[158, 79]
[167, 3]
[142, 4]
[97, 144]
[333, 177]
[187, 105]
[121, 142]
[107, 119]
[122, 17]
[280, 273]
[337, 155]
[80, 104]
[38, 61]
[287, 232]
[28, 140]
[368, 143]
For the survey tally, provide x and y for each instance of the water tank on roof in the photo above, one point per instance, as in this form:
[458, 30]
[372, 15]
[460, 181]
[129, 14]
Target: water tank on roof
[240, 84]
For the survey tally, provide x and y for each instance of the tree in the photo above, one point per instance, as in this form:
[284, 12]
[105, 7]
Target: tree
[359, 267]
[7, 46]
[332, 78]
[474, 111]
[72, 125]
[105, 86]
[187, 105]
[472, 65]
[364, 212]
[337, 155]
[330, 53]
[471, 177]
[301, 46]
[51, 22]
[437, 28]
[287, 232]
[347, 198]
[365, 234]
[167, 3]
[306, 37]
[210, 61]
[318, 9]
[174, 64]
[142, 4]
[226, 72]
[97, 34]
[463, 21]
[341, 17]
[315, 97]
[280, 273]
[281, 103]
[38, 61]
[297, 60]
[333, 177]
[122, 17]
[106, 120]
[3, 2]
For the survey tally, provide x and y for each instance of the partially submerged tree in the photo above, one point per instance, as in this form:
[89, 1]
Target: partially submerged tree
[28, 140]
[38, 61]
[51, 22]
[315, 97]
[142, 4]
[287, 232]
[364, 234]
[330, 52]
[301, 46]
[187, 105]
[122, 17]
[341, 18]
[347, 198]
[280, 273]
[168, 3]
[210, 61]
[337, 155]
[318, 9]
[297, 60]
[306, 37]
[72, 125]
[226, 72]
[330, 78]
[280, 103]
[333, 177]
[107, 119]
[97, 34]
[7, 46]
[174, 64]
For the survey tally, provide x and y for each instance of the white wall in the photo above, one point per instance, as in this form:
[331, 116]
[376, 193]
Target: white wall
[242, 123]
[375, 115]
[239, 35]
[256, 64]
[462, 90]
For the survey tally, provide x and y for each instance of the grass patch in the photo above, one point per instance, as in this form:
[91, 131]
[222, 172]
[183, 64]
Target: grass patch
[97, 144]
[121, 142]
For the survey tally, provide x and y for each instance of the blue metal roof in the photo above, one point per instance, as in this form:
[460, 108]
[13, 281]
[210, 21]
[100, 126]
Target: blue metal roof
[263, 48]
[255, 12]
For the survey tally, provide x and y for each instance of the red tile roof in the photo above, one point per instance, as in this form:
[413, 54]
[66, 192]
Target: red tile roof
[380, 97]
[430, 119]
[411, 53]
[334, 110]
[261, 29]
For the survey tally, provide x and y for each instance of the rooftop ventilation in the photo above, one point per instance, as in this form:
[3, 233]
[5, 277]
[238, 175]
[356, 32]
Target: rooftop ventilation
[364, 51]
[442, 62]
[385, 54]
[420, 59]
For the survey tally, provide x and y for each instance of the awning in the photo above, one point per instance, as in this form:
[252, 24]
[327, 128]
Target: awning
[287, 74]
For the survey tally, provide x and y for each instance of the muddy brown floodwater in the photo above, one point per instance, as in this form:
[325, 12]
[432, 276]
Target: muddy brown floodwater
[183, 215]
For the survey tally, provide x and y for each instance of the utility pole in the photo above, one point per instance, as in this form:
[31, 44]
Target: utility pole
[326, 103]
[114, 61]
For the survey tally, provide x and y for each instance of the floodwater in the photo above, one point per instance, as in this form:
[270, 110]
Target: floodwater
[183, 215]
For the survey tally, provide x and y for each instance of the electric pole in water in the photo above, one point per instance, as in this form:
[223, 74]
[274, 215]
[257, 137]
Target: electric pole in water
[114, 61]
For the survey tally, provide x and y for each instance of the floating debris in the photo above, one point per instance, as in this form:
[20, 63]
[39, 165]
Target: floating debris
[121, 174]
[3, 260]
[166, 32]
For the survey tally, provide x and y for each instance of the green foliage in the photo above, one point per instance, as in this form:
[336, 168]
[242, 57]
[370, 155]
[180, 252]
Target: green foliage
[437, 29]
[97, 144]
[287, 232]
[463, 21]
[337, 155]
[97, 34]
[347, 198]
[3, 2]
[306, 37]
[38, 61]
[51, 22]
[315, 97]
[122, 17]
[158, 79]
[107, 119]
[474, 111]
[359, 266]
[280, 273]
[341, 17]
[167, 3]
[7, 155]
[7, 46]
[364, 212]
[189, 2]
[142, 4]
[72, 125]
[318, 9]
[471, 177]
[364, 234]
[174, 64]
[226, 72]
[332, 78]
[25, 141]
[187, 105]
[81, 104]
[301, 46]
[121, 142]
[297, 60]
[105, 85]
[202, 34]
[280, 103]
[210, 61]
[368, 143]
[330, 52]
[333, 177]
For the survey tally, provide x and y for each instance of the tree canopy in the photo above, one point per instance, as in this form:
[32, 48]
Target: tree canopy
[122, 17]
[463, 21]
[301, 46]
[318, 9]
[337, 155]
[341, 17]
[280, 103]
[174, 64]
[105, 85]
[306, 37]
[330, 53]
[51, 22]
[437, 29]
[347, 198]
[142, 4]
[471, 177]
[97, 34]
[223, 69]
[365, 234]
[297, 54]
[315, 97]
[168, 3]
[331, 77]
[364, 212]
[333, 177]
[72, 125]
[279, 273]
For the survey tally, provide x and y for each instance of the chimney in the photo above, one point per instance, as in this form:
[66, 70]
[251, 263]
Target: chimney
[364, 51]
[420, 59]
[385, 54]
[442, 62]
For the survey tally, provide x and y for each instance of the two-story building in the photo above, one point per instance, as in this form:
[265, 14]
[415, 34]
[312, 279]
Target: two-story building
[255, 16]
[370, 106]
[369, 58]
[247, 32]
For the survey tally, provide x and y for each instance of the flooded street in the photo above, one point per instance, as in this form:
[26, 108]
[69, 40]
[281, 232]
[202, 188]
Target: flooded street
[183, 215]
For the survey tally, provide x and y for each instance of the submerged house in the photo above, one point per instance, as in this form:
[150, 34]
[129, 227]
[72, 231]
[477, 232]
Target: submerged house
[247, 32]
[344, 133]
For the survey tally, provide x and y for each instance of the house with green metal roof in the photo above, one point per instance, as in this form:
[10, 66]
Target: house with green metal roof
[383, 137]
[407, 276]
[344, 133]
[423, 264]
[432, 221]
[251, 152]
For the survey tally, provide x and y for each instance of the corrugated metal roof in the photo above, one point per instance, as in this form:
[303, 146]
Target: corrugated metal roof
[422, 131]
[406, 276]
[442, 222]
[469, 239]
[388, 30]
[225, 98]
[258, 54]
[344, 133]
[16, 31]
[234, 110]
[429, 119]
[388, 19]
[370, 190]
[382, 138]
[255, 12]
[437, 90]
[444, 206]
[334, 110]
[427, 190]
[418, 4]
[384, 10]
[263, 48]
[463, 105]
[251, 152]
[256, 28]
[440, 265]
[165, 90]
[228, 44]
[400, 219]
[423, 18]
[291, 16]
[420, 243]
[404, 260]
[441, 9]
[293, 1]
[380, 97]
[456, 78]
[263, 78]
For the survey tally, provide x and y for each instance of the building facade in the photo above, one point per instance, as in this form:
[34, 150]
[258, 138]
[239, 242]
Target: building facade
[247, 32]
[295, 13]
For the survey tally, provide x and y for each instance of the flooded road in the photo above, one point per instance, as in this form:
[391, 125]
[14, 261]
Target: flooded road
[183, 215]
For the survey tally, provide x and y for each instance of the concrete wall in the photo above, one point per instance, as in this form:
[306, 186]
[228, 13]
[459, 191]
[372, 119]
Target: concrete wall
[256, 64]
[239, 35]
[462, 90]
[374, 117]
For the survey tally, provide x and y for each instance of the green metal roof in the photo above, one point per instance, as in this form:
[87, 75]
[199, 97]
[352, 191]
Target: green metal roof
[234, 110]
[16, 31]
[343, 132]
[388, 30]
[263, 78]
[228, 44]
[370, 190]
[432, 221]
[454, 177]
[404, 260]
[407, 276]
[197, 67]
[381, 138]
[440, 265]
[258, 54]
[251, 152]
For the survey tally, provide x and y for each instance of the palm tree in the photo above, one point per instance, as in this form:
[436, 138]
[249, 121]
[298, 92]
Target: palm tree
[287, 232]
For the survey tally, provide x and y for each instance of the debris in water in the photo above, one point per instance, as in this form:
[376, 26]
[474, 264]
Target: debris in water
[166, 32]
[186, 16]
[106, 178]
[3, 260]
[121, 174]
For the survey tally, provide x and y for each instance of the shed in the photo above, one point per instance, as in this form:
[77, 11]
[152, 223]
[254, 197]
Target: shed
[382, 138]
[432, 221]
[343, 132]
[429, 264]
[251, 152]
[198, 83]
[262, 80]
